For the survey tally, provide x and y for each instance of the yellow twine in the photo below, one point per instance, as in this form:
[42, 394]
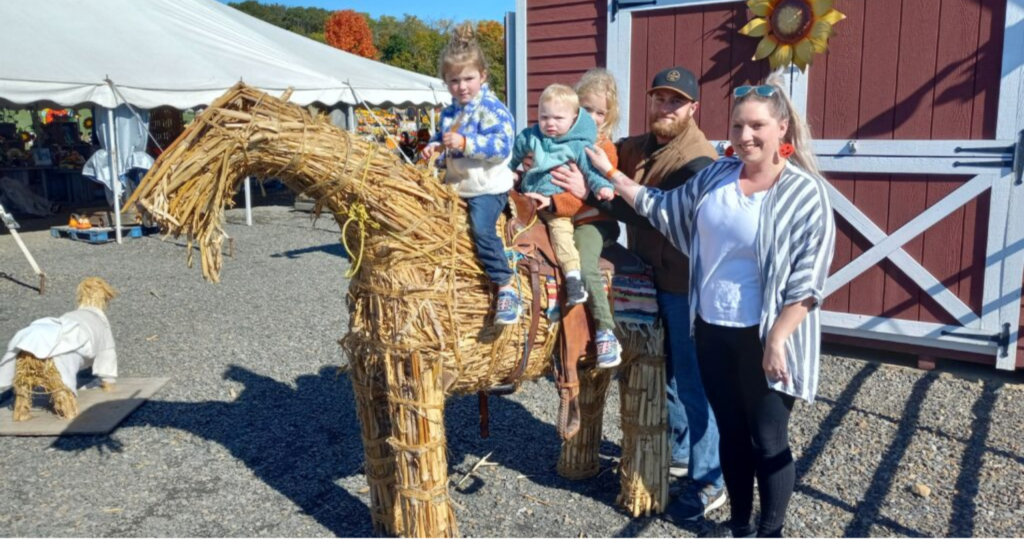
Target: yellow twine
[356, 214]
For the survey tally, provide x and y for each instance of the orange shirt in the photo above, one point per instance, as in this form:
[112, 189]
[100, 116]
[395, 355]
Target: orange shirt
[567, 205]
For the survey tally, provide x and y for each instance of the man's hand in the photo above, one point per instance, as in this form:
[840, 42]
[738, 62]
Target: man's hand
[541, 200]
[454, 141]
[570, 179]
[605, 193]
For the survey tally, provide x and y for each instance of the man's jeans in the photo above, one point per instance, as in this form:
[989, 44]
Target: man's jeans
[694, 433]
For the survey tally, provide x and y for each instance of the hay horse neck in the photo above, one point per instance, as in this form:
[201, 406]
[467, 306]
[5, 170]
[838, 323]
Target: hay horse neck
[419, 325]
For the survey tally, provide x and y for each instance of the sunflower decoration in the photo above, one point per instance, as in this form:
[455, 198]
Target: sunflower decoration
[87, 123]
[792, 31]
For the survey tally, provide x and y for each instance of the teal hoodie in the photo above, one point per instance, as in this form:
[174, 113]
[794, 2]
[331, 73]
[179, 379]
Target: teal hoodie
[552, 152]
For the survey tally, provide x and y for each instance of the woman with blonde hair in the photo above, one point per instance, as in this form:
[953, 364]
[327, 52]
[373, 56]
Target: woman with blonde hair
[759, 231]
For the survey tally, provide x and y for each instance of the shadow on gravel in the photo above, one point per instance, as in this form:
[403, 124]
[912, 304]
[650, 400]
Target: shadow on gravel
[965, 508]
[333, 248]
[530, 447]
[298, 441]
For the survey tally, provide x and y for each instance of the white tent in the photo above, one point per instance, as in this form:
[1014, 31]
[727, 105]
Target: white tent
[181, 53]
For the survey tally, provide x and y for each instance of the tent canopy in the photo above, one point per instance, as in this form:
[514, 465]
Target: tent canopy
[181, 53]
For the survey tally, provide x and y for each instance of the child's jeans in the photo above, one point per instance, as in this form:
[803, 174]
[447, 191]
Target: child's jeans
[560, 229]
[591, 239]
[483, 218]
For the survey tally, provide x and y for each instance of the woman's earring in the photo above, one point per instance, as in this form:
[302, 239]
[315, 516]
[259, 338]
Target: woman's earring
[786, 149]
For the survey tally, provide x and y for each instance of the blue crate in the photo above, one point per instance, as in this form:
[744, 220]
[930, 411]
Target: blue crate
[96, 235]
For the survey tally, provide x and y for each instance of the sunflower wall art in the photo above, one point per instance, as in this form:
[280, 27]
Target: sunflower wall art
[791, 31]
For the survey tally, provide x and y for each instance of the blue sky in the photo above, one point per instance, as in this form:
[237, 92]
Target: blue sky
[424, 9]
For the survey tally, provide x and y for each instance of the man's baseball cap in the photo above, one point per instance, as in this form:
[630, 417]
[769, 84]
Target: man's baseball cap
[679, 80]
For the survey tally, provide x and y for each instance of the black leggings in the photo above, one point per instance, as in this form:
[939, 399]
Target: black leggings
[753, 424]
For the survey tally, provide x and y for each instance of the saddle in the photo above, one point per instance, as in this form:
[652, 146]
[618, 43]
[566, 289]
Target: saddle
[528, 236]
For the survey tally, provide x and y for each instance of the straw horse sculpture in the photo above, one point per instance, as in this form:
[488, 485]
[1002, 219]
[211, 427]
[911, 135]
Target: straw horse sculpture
[420, 325]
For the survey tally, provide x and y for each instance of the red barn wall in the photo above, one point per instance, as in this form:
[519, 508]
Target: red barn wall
[896, 69]
[564, 39]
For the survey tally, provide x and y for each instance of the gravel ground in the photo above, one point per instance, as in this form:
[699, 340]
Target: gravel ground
[255, 435]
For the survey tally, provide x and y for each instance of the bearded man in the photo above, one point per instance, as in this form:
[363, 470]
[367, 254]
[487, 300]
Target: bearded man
[672, 152]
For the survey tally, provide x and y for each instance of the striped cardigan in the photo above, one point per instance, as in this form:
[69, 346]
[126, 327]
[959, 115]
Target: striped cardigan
[795, 242]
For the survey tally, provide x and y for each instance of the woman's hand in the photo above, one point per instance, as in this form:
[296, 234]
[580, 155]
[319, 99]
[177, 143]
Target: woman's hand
[774, 362]
[570, 179]
[599, 159]
[454, 141]
[541, 200]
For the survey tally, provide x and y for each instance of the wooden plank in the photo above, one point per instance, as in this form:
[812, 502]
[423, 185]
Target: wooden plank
[988, 58]
[715, 76]
[988, 70]
[917, 52]
[564, 11]
[839, 300]
[638, 76]
[901, 297]
[879, 67]
[952, 112]
[537, 4]
[563, 29]
[919, 36]
[943, 243]
[100, 412]
[842, 93]
[585, 46]
[871, 196]
[562, 64]
[875, 120]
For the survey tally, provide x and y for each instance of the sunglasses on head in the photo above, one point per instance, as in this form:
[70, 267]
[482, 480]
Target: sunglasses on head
[765, 90]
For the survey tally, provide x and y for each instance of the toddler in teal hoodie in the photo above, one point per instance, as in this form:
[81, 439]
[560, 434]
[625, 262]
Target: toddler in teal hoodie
[559, 138]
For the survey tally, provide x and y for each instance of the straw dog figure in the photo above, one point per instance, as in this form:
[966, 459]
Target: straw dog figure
[49, 353]
[420, 325]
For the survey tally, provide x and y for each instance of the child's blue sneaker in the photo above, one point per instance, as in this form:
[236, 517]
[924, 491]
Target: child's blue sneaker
[508, 308]
[609, 352]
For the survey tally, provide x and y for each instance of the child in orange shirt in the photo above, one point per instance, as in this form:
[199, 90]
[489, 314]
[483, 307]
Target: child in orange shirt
[599, 97]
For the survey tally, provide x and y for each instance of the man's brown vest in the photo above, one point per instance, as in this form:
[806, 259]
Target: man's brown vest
[641, 159]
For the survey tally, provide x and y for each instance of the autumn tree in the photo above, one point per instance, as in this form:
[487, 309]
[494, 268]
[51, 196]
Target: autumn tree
[349, 31]
[491, 36]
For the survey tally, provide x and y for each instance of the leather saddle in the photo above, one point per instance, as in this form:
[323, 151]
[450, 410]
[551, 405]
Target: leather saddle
[528, 235]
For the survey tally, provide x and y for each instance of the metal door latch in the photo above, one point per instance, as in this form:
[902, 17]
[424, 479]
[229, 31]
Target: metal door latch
[1013, 158]
[1001, 339]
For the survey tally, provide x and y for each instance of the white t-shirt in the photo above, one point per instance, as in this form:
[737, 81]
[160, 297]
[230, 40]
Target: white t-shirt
[730, 281]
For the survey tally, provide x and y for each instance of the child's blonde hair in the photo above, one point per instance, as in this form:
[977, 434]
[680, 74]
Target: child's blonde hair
[462, 51]
[599, 81]
[560, 93]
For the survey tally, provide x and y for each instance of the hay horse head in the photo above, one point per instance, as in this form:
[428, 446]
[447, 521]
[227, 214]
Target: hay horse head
[420, 321]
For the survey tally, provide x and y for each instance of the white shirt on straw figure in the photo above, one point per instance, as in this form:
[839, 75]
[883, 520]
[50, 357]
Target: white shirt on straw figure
[77, 340]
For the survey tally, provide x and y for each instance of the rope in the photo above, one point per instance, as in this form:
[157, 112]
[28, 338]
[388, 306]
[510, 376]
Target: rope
[357, 214]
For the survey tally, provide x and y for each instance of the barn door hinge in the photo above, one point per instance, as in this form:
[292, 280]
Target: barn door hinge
[1002, 339]
[623, 4]
[1013, 157]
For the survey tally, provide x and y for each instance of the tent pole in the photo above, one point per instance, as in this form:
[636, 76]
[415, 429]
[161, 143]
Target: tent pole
[350, 113]
[248, 202]
[115, 172]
